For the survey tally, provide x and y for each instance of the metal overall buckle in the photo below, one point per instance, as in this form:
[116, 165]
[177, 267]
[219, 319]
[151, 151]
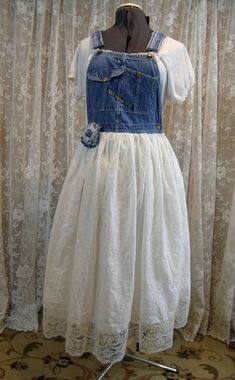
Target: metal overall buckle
[150, 54]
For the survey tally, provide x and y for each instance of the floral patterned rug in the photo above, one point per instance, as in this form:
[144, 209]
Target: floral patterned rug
[31, 356]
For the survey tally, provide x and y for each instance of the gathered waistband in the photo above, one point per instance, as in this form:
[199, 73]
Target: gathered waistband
[132, 128]
[92, 133]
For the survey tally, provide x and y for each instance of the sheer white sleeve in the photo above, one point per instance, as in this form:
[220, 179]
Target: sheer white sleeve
[180, 73]
[77, 71]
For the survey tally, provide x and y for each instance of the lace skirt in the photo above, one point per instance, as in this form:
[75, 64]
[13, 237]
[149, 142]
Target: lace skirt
[118, 260]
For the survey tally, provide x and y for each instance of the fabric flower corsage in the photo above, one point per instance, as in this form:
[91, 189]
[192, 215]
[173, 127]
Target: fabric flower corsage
[91, 135]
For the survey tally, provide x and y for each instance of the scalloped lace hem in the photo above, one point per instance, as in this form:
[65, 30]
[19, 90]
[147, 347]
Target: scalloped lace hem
[108, 344]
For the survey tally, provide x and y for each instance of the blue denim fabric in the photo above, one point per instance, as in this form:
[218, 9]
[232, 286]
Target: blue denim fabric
[123, 91]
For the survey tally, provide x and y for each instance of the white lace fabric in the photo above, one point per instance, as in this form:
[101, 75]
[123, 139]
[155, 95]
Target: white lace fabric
[109, 345]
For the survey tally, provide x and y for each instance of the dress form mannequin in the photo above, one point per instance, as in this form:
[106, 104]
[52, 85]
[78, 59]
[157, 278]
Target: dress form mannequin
[130, 32]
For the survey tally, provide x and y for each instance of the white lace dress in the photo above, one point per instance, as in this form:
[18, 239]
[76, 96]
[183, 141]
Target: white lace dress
[118, 260]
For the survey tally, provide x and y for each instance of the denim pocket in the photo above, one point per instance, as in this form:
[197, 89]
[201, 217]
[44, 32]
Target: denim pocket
[121, 89]
[99, 81]
[105, 74]
[145, 93]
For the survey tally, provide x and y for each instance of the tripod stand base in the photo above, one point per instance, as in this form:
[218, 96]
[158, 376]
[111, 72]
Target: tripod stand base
[155, 364]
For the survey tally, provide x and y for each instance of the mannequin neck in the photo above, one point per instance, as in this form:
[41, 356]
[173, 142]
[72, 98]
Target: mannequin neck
[130, 18]
[130, 33]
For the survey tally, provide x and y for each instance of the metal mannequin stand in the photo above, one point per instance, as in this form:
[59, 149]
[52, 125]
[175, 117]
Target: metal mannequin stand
[155, 364]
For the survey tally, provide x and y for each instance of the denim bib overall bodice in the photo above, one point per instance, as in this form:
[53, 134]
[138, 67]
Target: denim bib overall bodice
[123, 91]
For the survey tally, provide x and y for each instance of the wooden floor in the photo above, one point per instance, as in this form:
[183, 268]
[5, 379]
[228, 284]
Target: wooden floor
[30, 356]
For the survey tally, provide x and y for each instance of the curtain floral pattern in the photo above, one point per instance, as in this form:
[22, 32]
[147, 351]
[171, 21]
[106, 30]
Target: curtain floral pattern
[40, 125]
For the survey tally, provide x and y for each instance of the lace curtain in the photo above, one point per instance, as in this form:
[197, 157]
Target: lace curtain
[41, 124]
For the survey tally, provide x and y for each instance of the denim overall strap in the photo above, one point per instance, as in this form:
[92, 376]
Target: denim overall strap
[155, 41]
[97, 39]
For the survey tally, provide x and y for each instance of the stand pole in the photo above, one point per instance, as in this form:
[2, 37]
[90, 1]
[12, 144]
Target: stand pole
[155, 364]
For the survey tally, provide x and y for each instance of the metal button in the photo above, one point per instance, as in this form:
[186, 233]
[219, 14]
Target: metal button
[105, 79]
[138, 74]
[158, 126]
